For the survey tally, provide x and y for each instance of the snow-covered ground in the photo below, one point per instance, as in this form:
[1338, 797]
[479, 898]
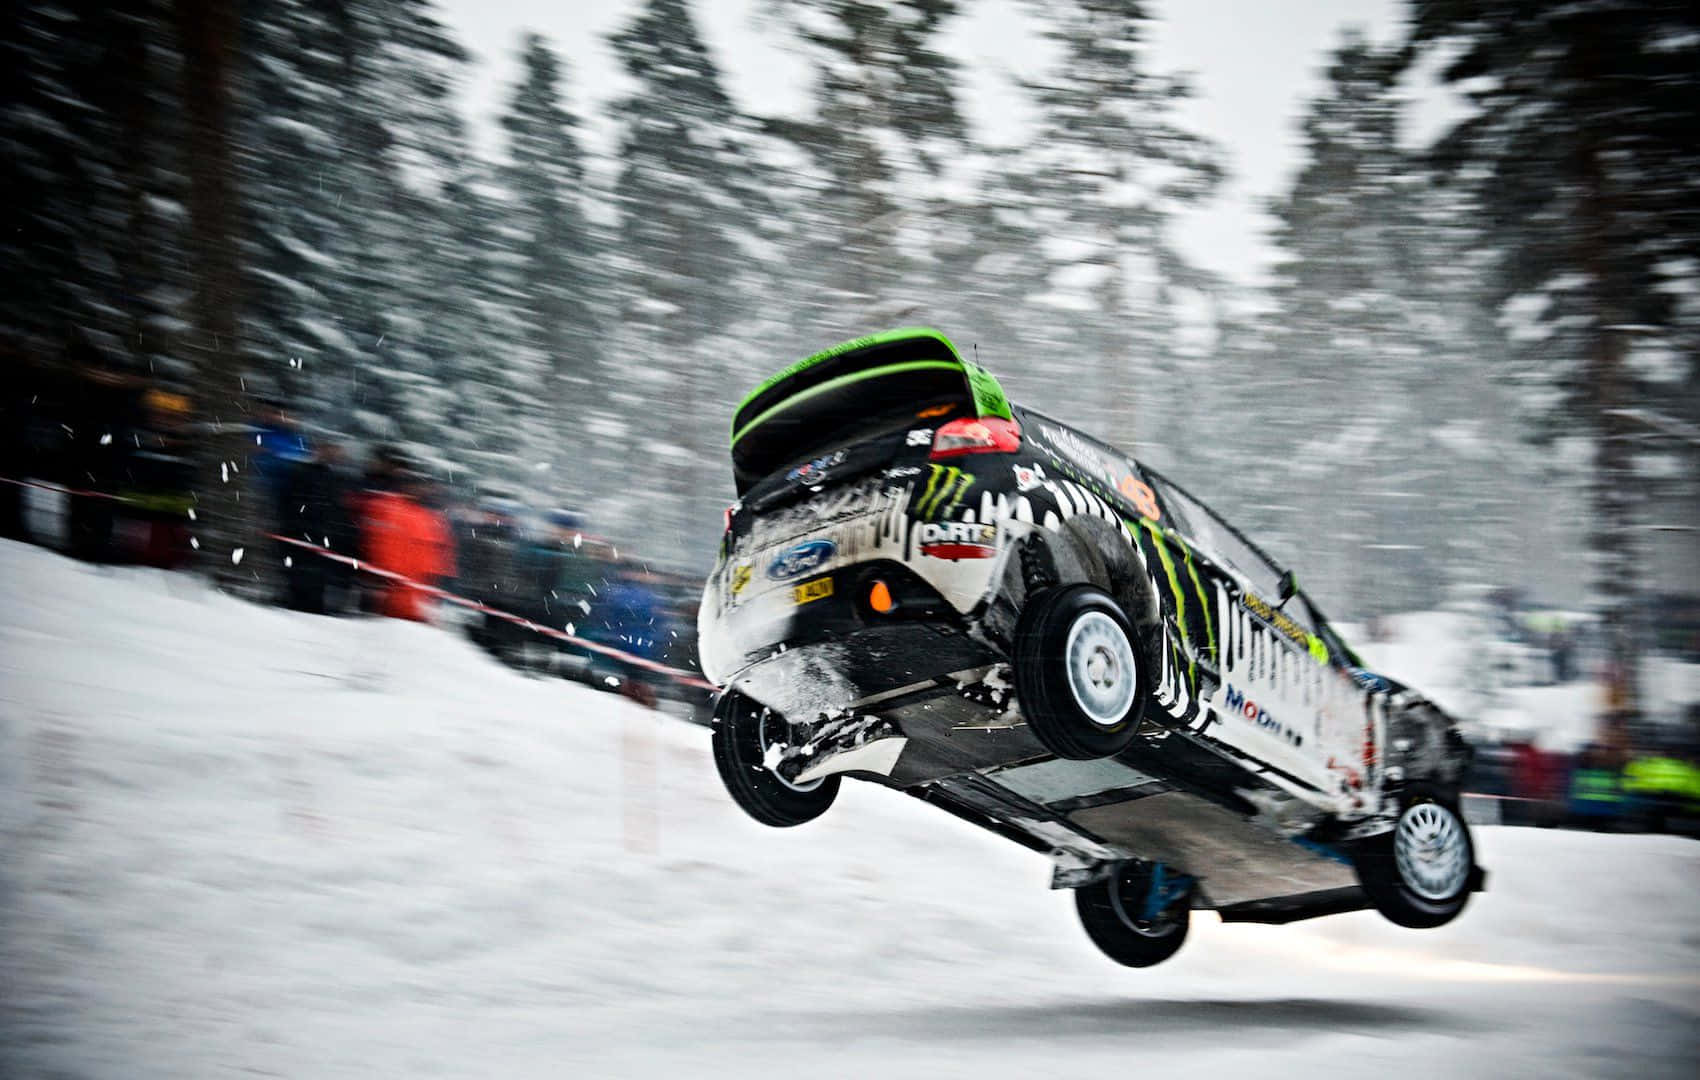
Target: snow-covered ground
[239, 841]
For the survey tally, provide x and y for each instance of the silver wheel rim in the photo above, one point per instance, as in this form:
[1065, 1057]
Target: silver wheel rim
[1101, 671]
[764, 744]
[1432, 851]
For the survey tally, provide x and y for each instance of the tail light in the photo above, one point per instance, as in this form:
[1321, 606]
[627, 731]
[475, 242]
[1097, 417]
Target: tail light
[726, 519]
[976, 435]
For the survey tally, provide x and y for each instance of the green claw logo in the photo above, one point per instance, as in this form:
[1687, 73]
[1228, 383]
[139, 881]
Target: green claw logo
[943, 493]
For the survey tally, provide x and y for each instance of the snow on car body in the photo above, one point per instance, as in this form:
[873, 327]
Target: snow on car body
[925, 586]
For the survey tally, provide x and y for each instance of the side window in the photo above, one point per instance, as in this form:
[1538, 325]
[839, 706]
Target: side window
[1216, 539]
[1103, 467]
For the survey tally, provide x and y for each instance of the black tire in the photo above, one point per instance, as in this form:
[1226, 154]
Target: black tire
[1060, 710]
[1430, 882]
[742, 730]
[1110, 912]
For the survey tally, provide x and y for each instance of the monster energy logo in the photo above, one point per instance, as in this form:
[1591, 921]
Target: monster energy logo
[943, 493]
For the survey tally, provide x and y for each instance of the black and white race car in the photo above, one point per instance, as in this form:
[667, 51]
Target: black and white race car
[927, 587]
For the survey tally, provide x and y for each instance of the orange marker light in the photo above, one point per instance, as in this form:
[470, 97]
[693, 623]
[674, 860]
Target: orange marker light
[880, 598]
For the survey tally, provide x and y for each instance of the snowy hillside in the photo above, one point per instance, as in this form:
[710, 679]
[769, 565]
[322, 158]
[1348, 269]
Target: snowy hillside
[245, 841]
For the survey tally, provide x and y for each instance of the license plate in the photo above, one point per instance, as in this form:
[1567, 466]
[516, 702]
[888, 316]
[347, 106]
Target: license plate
[808, 591]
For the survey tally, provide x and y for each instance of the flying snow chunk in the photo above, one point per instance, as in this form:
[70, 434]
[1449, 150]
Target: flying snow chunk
[106, 440]
[236, 556]
[224, 472]
[194, 543]
[611, 681]
[191, 513]
[288, 562]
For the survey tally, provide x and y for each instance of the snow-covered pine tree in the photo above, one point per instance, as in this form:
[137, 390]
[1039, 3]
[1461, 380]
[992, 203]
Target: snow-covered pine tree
[883, 123]
[1582, 153]
[553, 272]
[687, 271]
[91, 170]
[1110, 166]
[1406, 492]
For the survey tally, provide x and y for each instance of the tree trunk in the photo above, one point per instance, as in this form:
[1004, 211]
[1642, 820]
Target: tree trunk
[229, 512]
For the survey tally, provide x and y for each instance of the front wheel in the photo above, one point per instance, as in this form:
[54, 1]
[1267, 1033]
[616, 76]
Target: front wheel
[1117, 914]
[1420, 874]
[746, 736]
[1078, 673]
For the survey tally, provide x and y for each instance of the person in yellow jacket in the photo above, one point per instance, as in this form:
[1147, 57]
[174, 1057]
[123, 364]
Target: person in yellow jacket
[1660, 787]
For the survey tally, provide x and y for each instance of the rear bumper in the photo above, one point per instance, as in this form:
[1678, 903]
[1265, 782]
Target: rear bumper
[823, 654]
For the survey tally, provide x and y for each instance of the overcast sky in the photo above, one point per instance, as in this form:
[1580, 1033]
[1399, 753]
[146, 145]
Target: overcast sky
[1254, 64]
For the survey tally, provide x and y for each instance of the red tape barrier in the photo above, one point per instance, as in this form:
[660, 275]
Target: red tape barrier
[680, 675]
[689, 678]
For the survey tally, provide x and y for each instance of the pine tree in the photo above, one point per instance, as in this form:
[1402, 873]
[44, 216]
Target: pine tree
[1583, 157]
[686, 196]
[1111, 166]
[884, 124]
[92, 175]
[1403, 493]
[553, 278]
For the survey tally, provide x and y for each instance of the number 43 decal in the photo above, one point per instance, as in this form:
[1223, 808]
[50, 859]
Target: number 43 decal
[1141, 496]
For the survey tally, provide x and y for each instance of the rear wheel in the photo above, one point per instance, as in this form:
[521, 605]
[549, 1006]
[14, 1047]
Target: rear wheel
[1420, 874]
[1117, 916]
[746, 736]
[1078, 673]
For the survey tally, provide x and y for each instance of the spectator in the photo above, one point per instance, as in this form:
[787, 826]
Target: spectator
[1596, 800]
[279, 446]
[559, 581]
[156, 481]
[99, 417]
[486, 540]
[632, 617]
[403, 535]
[316, 503]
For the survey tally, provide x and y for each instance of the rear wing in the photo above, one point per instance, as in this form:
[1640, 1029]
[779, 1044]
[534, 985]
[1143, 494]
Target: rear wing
[793, 411]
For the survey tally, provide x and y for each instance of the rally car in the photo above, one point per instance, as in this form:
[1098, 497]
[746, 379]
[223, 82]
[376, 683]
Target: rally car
[925, 586]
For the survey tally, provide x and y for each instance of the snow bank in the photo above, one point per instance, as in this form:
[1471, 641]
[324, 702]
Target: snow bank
[241, 840]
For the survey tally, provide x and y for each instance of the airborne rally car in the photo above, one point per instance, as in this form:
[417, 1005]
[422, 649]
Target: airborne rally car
[927, 587]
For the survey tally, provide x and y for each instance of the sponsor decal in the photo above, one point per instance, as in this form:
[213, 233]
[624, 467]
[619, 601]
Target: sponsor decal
[1102, 468]
[959, 540]
[810, 591]
[814, 472]
[920, 437]
[740, 579]
[1265, 611]
[1240, 705]
[943, 494]
[1370, 681]
[1139, 493]
[800, 559]
[902, 471]
[1028, 477]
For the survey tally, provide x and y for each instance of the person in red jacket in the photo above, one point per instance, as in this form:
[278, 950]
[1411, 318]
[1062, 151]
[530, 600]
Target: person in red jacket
[403, 535]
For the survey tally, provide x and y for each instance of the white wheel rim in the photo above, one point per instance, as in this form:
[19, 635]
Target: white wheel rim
[1432, 851]
[765, 744]
[1101, 670]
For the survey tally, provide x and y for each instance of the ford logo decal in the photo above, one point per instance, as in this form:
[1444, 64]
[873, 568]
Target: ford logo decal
[800, 559]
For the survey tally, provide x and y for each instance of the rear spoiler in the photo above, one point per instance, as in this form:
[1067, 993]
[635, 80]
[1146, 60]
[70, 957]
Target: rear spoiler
[910, 349]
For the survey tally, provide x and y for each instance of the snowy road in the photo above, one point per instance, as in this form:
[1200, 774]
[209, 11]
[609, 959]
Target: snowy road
[240, 841]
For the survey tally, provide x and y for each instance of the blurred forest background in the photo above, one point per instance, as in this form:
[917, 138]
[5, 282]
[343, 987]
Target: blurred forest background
[1477, 364]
